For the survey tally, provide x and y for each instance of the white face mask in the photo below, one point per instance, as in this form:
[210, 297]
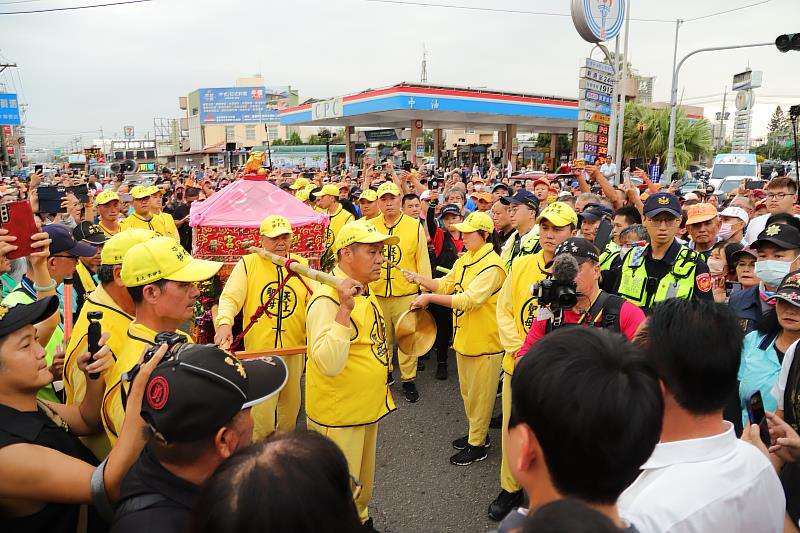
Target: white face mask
[478, 186]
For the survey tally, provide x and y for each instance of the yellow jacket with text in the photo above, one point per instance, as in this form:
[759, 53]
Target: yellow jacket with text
[411, 253]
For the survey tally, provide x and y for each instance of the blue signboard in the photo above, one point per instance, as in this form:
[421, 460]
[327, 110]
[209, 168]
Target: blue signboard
[9, 109]
[237, 105]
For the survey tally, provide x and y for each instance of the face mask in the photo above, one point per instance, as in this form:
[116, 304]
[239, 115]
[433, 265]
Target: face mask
[478, 187]
[772, 271]
[716, 266]
[726, 231]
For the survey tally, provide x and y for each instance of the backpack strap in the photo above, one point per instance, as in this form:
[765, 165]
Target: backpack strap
[137, 503]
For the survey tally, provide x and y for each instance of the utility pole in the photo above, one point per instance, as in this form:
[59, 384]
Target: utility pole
[423, 77]
[722, 120]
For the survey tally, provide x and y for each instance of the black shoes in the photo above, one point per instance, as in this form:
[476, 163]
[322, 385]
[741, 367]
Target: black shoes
[496, 422]
[410, 391]
[390, 378]
[469, 455]
[441, 371]
[504, 504]
[420, 364]
[463, 442]
[367, 527]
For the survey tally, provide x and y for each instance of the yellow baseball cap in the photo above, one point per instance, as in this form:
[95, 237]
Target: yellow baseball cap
[368, 195]
[389, 188]
[105, 196]
[275, 225]
[559, 214]
[302, 194]
[364, 232]
[299, 183]
[331, 189]
[475, 221]
[163, 258]
[140, 191]
[117, 246]
[155, 189]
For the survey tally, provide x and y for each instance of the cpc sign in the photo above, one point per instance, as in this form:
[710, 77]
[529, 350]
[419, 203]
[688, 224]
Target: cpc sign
[598, 20]
[332, 108]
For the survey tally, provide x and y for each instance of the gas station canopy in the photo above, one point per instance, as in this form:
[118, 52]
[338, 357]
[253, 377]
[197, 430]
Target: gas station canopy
[439, 108]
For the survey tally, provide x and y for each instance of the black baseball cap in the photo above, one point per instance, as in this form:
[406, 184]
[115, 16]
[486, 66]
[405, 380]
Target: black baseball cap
[61, 240]
[594, 212]
[662, 202]
[14, 318]
[789, 289]
[91, 233]
[579, 248]
[201, 388]
[783, 236]
[501, 186]
[450, 209]
[522, 197]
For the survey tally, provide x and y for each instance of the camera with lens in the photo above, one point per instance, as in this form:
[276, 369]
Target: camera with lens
[170, 338]
[555, 294]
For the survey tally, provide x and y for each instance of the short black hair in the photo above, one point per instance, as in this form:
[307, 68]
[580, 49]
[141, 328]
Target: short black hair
[268, 487]
[696, 347]
[105, 274]
[630, 213]
[567, 515]
[137, 293]
[595, 406]
[408, 197]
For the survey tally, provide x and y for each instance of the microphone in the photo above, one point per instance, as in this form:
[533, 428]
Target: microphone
[565, 269]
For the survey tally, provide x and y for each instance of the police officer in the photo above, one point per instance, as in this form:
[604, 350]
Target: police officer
[522, 210]
[664, 268]
[393, 292]
[252, 282]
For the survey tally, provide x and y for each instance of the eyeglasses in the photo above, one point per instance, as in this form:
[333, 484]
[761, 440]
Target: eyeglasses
[778, 195]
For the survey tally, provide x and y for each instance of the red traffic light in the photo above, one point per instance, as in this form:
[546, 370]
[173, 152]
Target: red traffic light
[787, 42]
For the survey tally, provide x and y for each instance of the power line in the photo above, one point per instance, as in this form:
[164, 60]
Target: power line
[701, 17]
[19, 2]
[72, 8]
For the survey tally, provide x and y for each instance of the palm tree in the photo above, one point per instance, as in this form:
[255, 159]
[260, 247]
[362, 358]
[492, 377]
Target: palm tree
[646, 135]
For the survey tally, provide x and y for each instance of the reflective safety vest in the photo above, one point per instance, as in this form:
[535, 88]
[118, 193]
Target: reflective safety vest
[528, 245]
[643, 291]
[359, 394]
[609, 255]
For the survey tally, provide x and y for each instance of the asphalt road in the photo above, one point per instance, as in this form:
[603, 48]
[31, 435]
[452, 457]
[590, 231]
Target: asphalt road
[416, 487]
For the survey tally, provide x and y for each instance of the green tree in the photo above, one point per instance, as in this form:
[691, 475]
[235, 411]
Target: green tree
[277, 142]
[646, 135]
[294, 139]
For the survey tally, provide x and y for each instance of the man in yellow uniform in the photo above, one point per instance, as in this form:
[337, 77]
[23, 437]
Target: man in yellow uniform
[393, 291]
[107, 204]
[167, 223]
[142, 218]
[252, 282]
[346, 389]
[160, 277]
[328, 200]
[516, 311]
[112, 299]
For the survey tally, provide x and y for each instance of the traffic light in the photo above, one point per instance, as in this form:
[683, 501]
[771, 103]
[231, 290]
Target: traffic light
[788, 42]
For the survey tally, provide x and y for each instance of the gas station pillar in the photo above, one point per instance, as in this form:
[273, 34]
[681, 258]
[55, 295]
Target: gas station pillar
[350, 146]
[437, 146]
[508, 146]
[553, 152]
[417, 142]
[574, 143]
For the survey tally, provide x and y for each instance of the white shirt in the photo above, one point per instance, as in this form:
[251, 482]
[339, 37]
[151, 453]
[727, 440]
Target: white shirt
[608, 169]
[756, 226]
[779, 389]
[705, 485]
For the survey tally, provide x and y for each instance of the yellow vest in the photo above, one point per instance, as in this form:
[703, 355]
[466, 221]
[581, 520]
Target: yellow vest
[107, 231]
[475, 332]
[359, 394]
[86, 279]
[528, 270]
[338, 219]
[392, 282]
[678, 283]
[115, 322]
[284, 328]
[135, 221]
[133, 343]
[168, 223]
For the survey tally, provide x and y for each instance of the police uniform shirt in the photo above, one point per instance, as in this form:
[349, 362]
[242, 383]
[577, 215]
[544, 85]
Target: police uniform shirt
[658, 268]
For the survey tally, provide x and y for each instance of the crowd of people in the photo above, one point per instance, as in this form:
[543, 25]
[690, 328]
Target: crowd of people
[641, 341]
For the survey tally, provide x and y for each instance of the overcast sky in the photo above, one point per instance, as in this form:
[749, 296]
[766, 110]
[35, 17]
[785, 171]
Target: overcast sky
[108, 67]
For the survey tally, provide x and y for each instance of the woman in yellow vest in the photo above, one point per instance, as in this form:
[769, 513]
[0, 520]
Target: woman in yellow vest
[251, 283]
[471, 289]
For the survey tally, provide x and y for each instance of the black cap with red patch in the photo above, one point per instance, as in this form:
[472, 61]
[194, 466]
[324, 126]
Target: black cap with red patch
[201, 388]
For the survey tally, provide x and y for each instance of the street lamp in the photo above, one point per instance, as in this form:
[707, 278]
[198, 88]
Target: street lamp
[674, 98]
